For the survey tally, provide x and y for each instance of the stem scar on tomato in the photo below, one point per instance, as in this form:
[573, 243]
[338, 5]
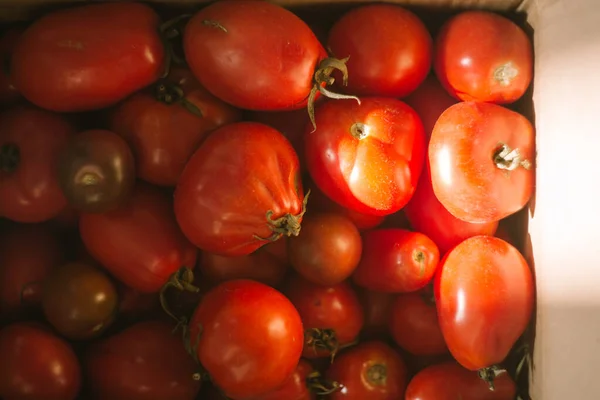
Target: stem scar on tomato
[377, 374]
[170, 94]
[419, 257]
[509, 159]
[505, 74]
[215, 24]
[489, 374]
[288, 225]
[321, 387]
[10, 157]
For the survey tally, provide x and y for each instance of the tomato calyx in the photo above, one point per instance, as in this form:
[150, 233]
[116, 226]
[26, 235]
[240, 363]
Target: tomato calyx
[170, 94]
[508, 159]
[10, 157]
[169, 31]
[489, 374]
[288, 225]
[322, 339]
[321, 387]
[181, 280]
[377, 375]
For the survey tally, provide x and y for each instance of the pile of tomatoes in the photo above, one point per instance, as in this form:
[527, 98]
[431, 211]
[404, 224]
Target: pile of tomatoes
[238, 204]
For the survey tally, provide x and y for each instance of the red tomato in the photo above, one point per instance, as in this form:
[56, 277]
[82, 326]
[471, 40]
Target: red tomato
[88, 57]
[484, 297]
[145, 361]
[396, 261]
[332, 315]
[240, 190]
[139, 243]
[27, 254]
[296, 387]
[254, 55]
[371, 370]
[30, 143]
[248, 337]
[482, 56]
[377, 307]
[37, 365]
[450, 381]
[414, 324]
[8, 92]
[366, 157]
[162, 127]
[481, 158]
[390, 67]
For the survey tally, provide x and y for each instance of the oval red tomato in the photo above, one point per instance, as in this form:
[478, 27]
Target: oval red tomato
[145, 361]
[482, 56]
[30, 143]
[366, 157]
[248, 337]
[88, 57]
[139, 243]
[484, 297]
[393, 67]
[481, 157]
[240, 190]
[396, 261]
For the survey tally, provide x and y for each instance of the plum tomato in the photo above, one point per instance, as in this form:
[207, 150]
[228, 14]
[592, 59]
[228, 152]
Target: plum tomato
[240, 190]
[371, 370]
[396, 261]
[332, 315]
[36, 364]
[145, 361]
[482, 159]
[30, 144]
[164, 128]
[377, 307]
[88, 57]
[327, 250]
[366, 157]
[389, 47]
[140, 242]
[8, 91]
[483, 56]
[247, 336]
[96, 171]
[484, 297]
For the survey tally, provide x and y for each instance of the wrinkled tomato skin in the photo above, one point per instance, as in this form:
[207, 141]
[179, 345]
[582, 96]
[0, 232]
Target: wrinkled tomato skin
[253, 55]
[248, 337]
[8, 92]
[163, 136]
[484, 297]
[139, 243]
[483, 56]
[375, 175]
[450, 381]
[30, 192]
[393, 67]
[295, 387]
[145, 361]
[88, 57]
[36, 364]
[241, 172]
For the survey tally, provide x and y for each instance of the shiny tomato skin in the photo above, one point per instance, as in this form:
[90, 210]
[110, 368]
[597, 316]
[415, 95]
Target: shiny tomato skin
[253, 55]
[377, 307]
[36, 364]
[8, 92]
[390, 67]
[374, 175]
[484, 296]
[482, 56]
[371, 370]
[240, 173]
[396, 261]
[450, 381]
[143, 362]
[163, 136]
[29, 189]
[295, 387]
[248, 337]
[465, 177]
[138, 243]
[88, 57]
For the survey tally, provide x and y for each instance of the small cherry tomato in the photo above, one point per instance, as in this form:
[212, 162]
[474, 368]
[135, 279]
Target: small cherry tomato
[377, 307]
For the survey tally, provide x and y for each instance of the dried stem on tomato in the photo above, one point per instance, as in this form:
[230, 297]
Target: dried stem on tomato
[169, 31]
[288, 225]
[321, 387]
[169, 93]
[489, 374]
[509, 159]
[322, 339]
[181, 280]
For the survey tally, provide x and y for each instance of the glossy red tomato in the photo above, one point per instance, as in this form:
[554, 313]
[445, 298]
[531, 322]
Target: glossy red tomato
[377, 307]
[332, 315]
[254, 55]
[145, 361]
[482, 56]
[393, 67]
[296, 387]
[240, 190]
[481, 157]
[450, 381]
[88, 57]
[138, 243]
[371, 370]
[396, 261]
[37, 365]
[248, 337]
[8, 91]
[484, 297]
[30, 143]
[366, 157]
[164, 129]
